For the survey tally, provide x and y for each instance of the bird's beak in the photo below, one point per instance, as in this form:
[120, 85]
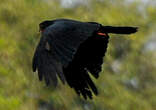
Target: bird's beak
[39, 30]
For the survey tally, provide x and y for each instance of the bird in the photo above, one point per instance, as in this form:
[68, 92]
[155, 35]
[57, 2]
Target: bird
[73, 51]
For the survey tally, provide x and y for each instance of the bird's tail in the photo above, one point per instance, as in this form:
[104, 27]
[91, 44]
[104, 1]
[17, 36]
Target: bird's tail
[118, 30]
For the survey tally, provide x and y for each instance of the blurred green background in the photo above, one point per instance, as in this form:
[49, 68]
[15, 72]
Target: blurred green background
[128, 78]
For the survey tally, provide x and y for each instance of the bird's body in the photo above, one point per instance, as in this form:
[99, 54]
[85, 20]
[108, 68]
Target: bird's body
[71, 50]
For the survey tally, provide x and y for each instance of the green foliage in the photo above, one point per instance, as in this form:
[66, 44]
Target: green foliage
[127, 81]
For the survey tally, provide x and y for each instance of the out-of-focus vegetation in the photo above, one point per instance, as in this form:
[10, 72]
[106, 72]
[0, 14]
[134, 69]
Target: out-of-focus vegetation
[128, 79]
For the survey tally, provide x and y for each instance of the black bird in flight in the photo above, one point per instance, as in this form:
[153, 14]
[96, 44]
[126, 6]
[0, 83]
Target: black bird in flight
[70, 50]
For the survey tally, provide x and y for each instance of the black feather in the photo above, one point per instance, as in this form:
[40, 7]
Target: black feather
[71, 50]
[118, 30]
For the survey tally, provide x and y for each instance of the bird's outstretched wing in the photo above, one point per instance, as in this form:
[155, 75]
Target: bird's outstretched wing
[88, 58]
[57, 47]
[70, 50]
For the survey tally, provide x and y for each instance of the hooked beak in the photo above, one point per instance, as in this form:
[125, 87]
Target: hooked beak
[39, 31]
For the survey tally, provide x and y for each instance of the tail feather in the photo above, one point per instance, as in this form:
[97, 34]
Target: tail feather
[118, 30]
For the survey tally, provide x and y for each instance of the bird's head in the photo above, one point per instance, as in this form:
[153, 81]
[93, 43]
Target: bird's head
[43, 25]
